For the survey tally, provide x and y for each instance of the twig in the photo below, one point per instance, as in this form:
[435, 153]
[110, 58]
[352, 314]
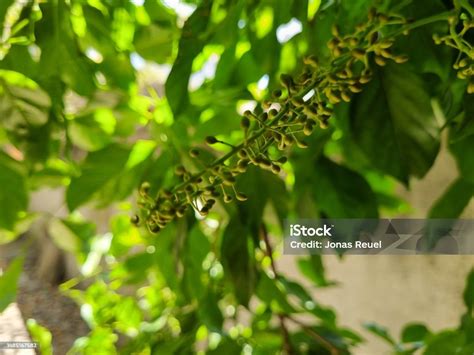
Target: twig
[283, 317]
[287, 348]
[330, 347]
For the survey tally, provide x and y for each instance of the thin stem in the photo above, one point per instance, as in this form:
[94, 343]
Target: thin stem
[330, 347]
[288, 349]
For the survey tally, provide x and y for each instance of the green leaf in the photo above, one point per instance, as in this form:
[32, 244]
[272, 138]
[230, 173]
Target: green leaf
[271, 291]
[4, 5]
[262, 187]
[190, 45]
[380, 331]
[41, 335]
[14, 194]
[454, 200]
[154, 42]
[414, 333]
[393, 122]
[313, 268]
[92, 132]
[462, 142]
[447, 342]
[98, 168]
[468, 294]
[196, 249]
[9, 282]
[238, 260]
[61, 56]
[340, 192]
[209, 312]
[22, 101]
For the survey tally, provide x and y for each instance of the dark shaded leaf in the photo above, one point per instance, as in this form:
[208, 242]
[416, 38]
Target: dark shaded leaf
[393, 122]
[190, 45]
[453, 201]
[8, 283]
[238, 260]
[342, 193]
[98, 168]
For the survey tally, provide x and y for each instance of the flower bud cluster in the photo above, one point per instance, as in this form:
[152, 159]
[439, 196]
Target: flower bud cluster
[304, 103]
[459, 25]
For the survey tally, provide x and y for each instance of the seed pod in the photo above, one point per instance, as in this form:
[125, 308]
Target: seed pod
[386, 43]
[385, 53]
[287, 81]
[288, 139]
[263, 117]
[364, 79]
[333, 97]
[277, 93]
[211, 202]
[358, 53]
[241, 196]
[352, 41]
[333, 43]
[336, 52]
[301, 144]
[273, 112]
[282, 160]
[308, 129]
[311, 61]
[155, 228]
[194, 153]
[228, 199]
[204, 210]
[210, 188]
[181, 211]
[470, 88]
[373, 37]
[135, 220]
[380, 61]
[242, 153]
[145, 188]
[400, 59]
[382, 18]
[463, 62]
[355, 88]
[345, 96]
[229, 180]
[276, 169]
[216, 194]
[245, 123]
[211, 140]
[180, 170]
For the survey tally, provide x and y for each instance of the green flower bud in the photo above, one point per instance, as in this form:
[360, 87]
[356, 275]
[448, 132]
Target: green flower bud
[211, 140]
[242, 153]
[276, 168]
[135, 220]
[180, 170]
[194, 153]
[380, 61]
[400, 59]
[241, 196]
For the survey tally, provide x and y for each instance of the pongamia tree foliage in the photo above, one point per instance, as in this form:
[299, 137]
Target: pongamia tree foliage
[366, 87]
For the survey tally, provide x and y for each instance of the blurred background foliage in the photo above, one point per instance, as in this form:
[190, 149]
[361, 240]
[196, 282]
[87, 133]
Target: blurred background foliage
[98, 96]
